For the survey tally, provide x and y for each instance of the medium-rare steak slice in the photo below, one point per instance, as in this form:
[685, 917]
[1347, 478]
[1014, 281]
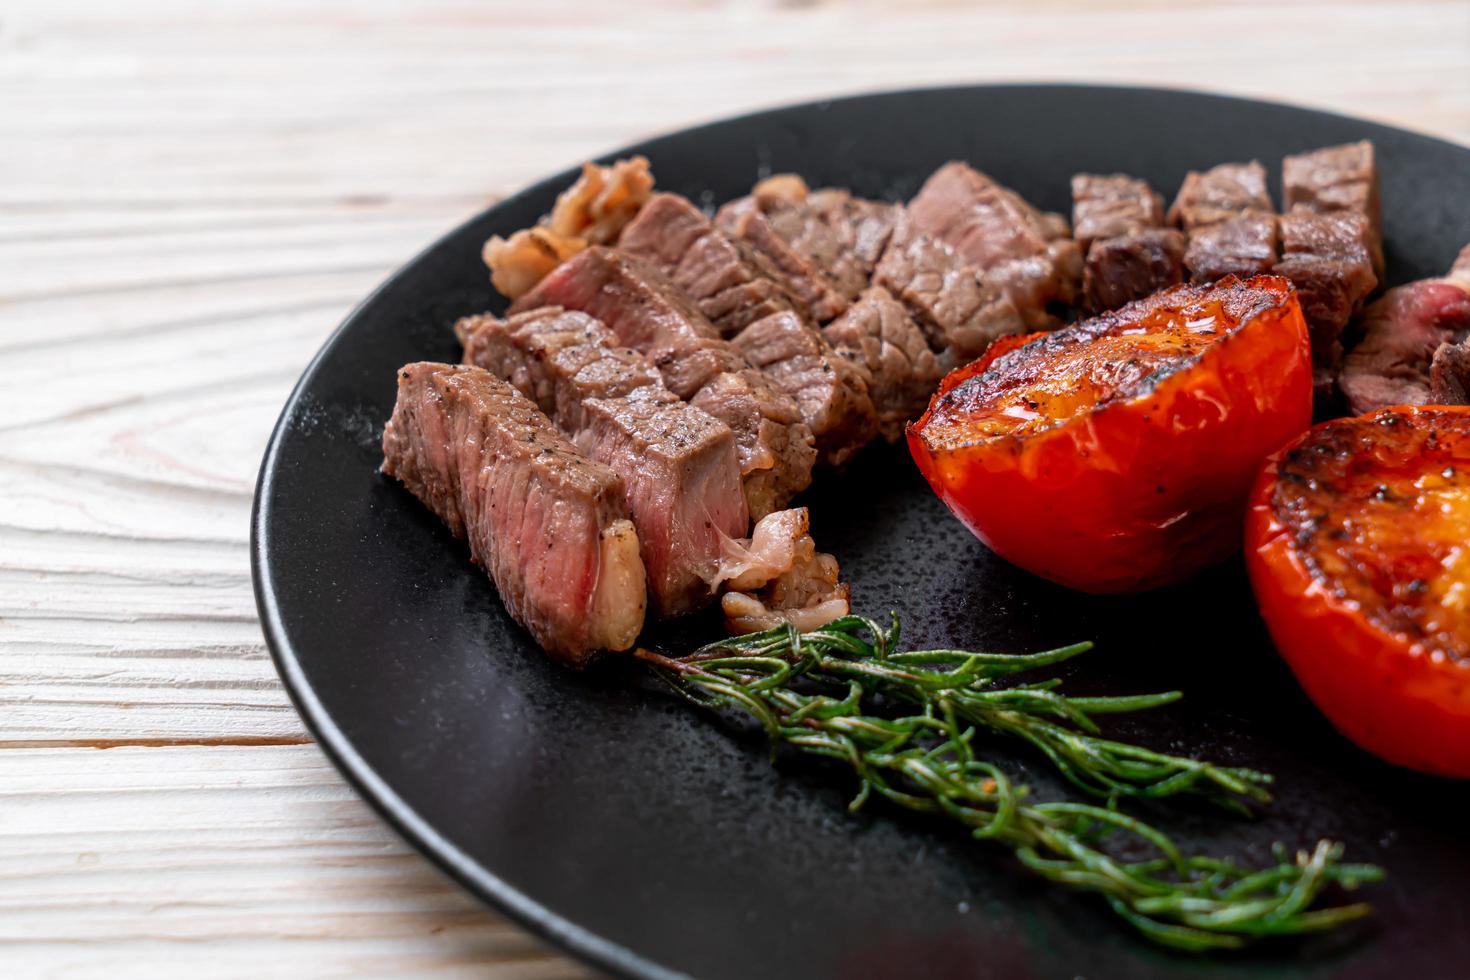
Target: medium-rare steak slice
[682, 478]
[878, 333]
[830, 390]
[1327, 260]
[646, 313]
[1017, 248]
[723, 280]
[678, 464]
[1409, 333]
[841, 235]
[959, 313]
[1243, 246]
[547, 523]
[1220, 193]
[1338, 178]
[1132, 266]
[1110, 205]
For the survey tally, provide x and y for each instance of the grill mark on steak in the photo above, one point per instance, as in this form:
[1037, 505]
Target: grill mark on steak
[646, 313]
[679, 465]
[549, 525]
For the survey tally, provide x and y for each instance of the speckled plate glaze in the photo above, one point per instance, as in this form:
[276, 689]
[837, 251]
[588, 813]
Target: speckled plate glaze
[621, 825]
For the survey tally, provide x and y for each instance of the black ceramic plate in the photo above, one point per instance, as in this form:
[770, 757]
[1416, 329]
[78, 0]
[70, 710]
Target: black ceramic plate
[638, 835]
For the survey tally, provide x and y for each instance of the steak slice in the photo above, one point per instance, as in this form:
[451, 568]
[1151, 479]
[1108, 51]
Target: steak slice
[798, 273]
[547, 523]
[842, 236]
[1338, 178]
[724, 281]
[557, 358]
[1017, 248]
[958, 311]
[830, 390]
[1327, 260]
[1244, 246]
[1404, 332]
[679, 465]
[1132, 266]
[877, 332]
[646, 313]
[1219, 194]
[1110, 205]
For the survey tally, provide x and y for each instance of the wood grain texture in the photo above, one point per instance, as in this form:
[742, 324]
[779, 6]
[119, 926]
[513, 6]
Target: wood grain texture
[191, 198]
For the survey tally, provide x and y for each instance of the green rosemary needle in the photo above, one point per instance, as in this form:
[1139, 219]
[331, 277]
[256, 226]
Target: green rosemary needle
[811, 692]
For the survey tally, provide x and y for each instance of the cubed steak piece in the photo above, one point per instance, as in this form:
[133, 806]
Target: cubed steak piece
[1326, 258]
[841, 235]
[830, 390]
[679, 465]
[1018, 249]
[1412, 347]
[1219, 194]
[1129, 254]
[958, 311]
[1243, 246]
[1449, 374]
[1110, 205]
[723, 280]
[1132, 266]
[549, 525]
[647, 313]
[1338, 178]
[878, 333]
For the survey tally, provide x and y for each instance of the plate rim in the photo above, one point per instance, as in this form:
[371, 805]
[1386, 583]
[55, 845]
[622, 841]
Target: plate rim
[563, 933]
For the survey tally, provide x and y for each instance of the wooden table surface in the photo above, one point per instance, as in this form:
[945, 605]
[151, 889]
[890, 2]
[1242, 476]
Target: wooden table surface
[191, 198]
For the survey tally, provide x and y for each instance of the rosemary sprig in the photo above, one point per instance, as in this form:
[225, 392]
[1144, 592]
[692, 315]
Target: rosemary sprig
[810, 692]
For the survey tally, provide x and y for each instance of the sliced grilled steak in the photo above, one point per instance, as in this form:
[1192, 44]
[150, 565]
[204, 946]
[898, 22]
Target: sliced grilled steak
[877, 332]
[547, 523]
[959, 313]
[841, 235]
[1243, 246]
[1327, 260]
[557, 358]
[831, 390]
[1338, 178]
[1219, 194]
[723, 280]
[646, 313]
[678, 464]
[798, 273]
[1111, 205]
[1018, 249]
[1132, 266]
[1404, 331]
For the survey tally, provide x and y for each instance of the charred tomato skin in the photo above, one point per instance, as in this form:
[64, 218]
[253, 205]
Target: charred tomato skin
[1385, 690]
[1143, 491]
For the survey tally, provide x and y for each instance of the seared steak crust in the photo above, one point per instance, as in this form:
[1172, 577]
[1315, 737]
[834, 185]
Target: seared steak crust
[877, 332]
[1244, 246]
[548, 524]
[1338, 178]
[1132, 266]
[1219, 194]
[1326, 258]
[1110, 205]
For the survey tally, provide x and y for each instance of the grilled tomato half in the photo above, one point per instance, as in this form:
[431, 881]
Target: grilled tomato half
[1358, 545]
[1116, 454]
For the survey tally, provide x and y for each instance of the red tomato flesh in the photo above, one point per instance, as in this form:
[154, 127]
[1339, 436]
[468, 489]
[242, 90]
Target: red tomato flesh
[1358, 545]
[1116, 454]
